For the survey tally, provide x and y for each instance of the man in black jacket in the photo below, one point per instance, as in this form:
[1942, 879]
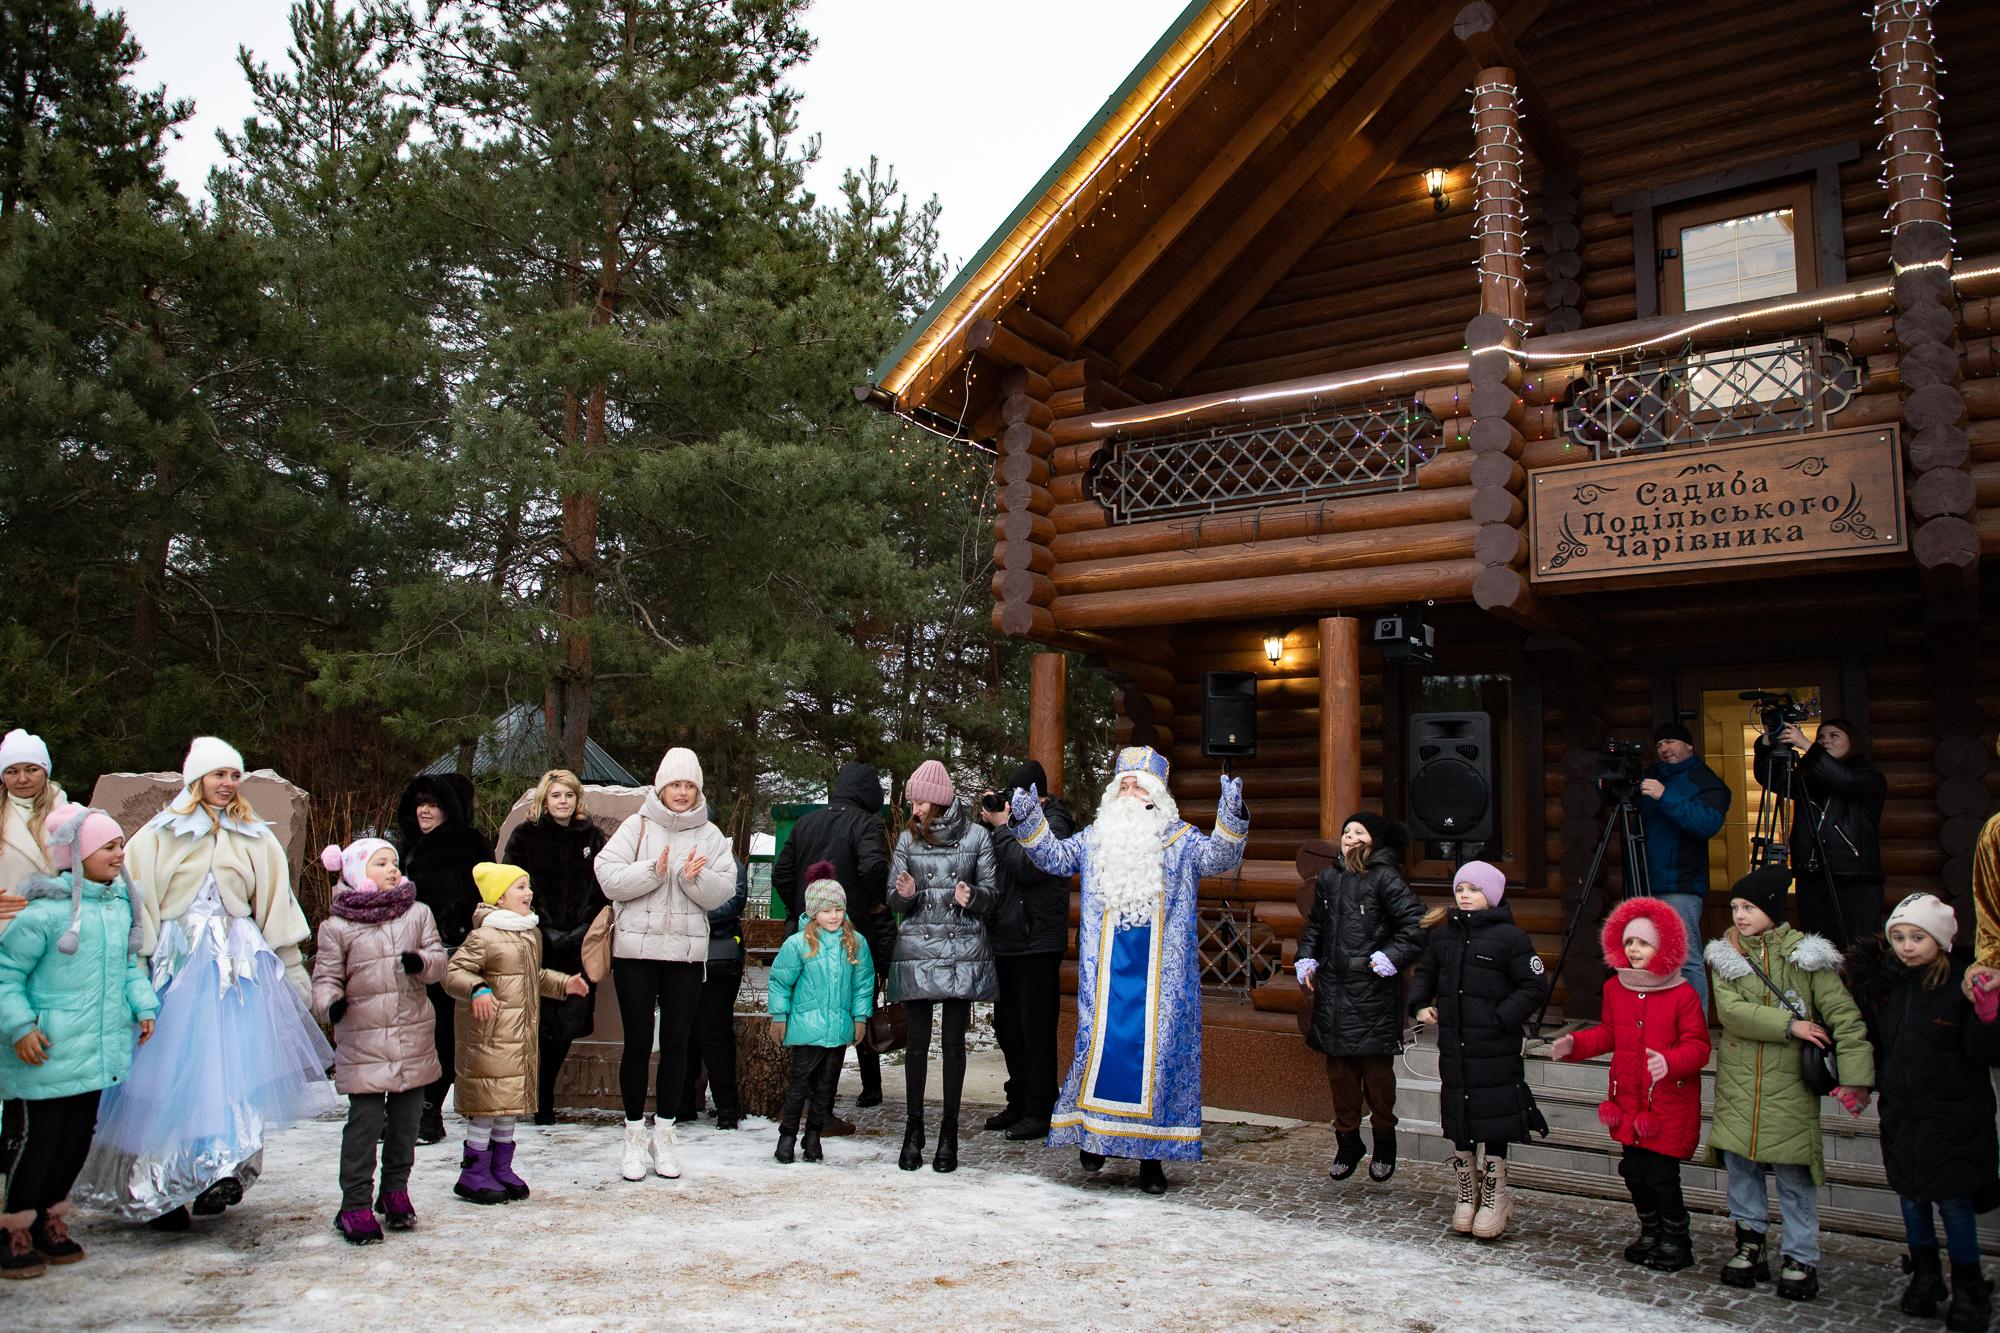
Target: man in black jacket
[1836, 843]
[1029, 930]
[848, 832]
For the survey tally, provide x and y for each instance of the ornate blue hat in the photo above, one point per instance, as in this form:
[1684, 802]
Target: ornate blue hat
[1142, 759]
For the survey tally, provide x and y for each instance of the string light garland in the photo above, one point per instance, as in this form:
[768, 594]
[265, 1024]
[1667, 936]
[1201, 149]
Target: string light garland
[1912, 145]
[1498, 195]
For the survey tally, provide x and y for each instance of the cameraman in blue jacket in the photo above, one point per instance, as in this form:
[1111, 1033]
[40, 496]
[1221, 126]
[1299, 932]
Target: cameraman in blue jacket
[1682, 803]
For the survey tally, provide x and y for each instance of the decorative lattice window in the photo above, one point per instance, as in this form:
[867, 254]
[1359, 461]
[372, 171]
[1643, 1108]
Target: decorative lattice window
[1792, 386]
[1289, 461]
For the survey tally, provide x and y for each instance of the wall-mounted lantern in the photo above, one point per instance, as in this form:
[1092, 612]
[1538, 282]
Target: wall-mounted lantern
[1274, 648]
[1434, 180]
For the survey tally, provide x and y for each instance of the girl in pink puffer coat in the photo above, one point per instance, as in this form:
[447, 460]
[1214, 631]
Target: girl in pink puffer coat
[377, 951]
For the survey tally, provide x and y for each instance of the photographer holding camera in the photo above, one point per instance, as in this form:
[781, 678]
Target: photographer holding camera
[1836, 847]
[1682, 803]
[1029, 930]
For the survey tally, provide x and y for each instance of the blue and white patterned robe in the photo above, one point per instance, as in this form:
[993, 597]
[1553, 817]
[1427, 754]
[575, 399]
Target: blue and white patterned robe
[1134, 1084]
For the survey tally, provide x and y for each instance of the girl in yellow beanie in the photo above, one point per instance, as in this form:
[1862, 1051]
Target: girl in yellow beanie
[498, 974]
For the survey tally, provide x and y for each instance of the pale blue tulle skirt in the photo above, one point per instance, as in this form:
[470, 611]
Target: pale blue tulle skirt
[235, 1057]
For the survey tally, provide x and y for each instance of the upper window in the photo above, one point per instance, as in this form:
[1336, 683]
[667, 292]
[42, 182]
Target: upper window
[1743, 248]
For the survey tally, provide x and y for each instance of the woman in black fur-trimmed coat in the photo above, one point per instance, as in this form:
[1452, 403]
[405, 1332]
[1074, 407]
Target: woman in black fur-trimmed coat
[1365, 929]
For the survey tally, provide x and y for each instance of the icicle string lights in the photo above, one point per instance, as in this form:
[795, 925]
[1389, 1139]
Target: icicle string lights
[1498, 199]
[1914, 170]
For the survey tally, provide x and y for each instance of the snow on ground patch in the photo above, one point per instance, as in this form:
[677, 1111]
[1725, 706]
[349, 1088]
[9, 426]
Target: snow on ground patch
[740, 1241]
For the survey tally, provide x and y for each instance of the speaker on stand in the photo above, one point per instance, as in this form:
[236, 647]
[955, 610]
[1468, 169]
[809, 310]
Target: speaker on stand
[1229, 716]
[1452, 799]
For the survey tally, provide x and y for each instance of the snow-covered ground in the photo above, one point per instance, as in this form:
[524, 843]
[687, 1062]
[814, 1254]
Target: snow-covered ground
[741, 1242]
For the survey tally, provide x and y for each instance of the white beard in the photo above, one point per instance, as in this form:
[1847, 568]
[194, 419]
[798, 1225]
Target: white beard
[1128, 858]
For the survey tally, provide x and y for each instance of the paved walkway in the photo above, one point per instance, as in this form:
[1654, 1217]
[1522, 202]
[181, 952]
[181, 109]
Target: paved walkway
[1279, 1171]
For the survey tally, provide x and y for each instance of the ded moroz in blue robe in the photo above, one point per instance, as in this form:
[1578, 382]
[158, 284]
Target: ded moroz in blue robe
[1134, 1083]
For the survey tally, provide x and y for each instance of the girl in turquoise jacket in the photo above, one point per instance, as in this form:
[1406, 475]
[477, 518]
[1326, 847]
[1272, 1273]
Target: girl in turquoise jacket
[72, 989]
[822, 992]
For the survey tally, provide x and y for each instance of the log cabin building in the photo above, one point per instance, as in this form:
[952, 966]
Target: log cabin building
[1646, 352]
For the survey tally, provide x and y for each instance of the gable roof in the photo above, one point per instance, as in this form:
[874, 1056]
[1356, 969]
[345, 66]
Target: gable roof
[518, 744]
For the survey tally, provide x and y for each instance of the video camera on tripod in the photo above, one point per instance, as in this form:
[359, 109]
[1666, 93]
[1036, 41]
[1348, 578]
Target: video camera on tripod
[1621, 767]
[1777, 711]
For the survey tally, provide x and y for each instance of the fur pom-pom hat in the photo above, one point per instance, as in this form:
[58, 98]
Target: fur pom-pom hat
[1648, 918]
[351, 862]
[75, 831]
[823, 891]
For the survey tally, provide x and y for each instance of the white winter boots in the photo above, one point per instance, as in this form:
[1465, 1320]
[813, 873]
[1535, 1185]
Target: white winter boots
[666, 1157]
[637, 1148]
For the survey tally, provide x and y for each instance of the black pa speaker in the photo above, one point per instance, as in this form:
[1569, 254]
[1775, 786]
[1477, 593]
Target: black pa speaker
[1229, 715]
[1451, 777]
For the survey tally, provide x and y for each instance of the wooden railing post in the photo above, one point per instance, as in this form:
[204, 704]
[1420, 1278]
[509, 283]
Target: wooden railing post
[1339, 722]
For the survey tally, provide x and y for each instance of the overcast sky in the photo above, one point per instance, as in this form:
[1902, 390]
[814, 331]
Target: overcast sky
[920, 84]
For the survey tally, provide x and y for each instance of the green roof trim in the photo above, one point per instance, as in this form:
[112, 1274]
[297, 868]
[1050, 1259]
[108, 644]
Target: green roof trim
[1041, 187]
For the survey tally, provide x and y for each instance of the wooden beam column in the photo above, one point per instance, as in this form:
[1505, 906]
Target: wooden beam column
[1022, 532]
[1493, 339]
[1339, 722]
[1047, 716]
[1943, 498]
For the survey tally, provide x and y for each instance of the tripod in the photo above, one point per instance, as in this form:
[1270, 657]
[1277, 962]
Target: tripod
[1622, 821]
[1771, 839]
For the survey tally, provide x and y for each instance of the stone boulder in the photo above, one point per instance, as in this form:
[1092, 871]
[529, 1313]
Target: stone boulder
[134, 798]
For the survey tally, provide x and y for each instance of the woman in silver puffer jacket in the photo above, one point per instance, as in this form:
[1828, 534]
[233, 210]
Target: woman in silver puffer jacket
[940, 888]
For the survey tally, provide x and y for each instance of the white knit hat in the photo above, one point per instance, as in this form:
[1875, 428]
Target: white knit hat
[679, 765]
[1928, 913]
[205, 755]
[18, 747]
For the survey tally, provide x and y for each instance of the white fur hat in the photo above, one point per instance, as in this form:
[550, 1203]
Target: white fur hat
[1928, 913]
[20, 747]
[678, 765]
[205, 755]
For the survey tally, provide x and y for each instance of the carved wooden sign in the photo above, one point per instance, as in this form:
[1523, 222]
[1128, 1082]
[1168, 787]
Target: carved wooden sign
[1778, 498]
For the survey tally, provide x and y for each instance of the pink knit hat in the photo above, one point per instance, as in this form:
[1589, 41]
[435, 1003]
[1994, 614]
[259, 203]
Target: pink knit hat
[1488, 879]
[97, 828]
[930, 783]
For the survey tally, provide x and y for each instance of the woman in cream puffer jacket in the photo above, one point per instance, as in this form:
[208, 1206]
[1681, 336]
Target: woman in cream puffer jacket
[663, 870]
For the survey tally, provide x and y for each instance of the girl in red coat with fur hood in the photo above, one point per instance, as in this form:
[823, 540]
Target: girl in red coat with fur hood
[1657, 1034]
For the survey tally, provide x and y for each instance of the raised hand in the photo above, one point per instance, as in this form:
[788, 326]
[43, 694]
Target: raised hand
[1025, 804]
[695, 864]
[906, 885]
[1232, 793]
[576, 985]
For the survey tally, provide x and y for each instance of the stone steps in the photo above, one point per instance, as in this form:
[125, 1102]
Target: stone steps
[1580, 1158]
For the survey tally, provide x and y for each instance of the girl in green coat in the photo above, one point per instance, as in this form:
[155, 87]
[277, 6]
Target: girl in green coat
[822, 992]
[72, 991]
[1764, 1113]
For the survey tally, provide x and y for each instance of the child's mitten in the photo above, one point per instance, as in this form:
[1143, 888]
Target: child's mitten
[336, 1011]
[413, 962]
[1986, 1003]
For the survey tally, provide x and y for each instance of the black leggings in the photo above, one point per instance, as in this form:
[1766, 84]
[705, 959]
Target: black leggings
[675, 989]
[713, 1045]
[916, 1061]
[56, 1139]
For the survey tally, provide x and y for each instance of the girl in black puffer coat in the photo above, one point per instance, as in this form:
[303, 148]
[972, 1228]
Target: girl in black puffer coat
[1480, 981]
[1365, 929]
[439, 846]
[558, 846]
[1933, 1060]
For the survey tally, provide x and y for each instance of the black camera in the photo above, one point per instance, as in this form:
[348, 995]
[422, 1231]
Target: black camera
[1621, 766]
[992, 801]
[1776, 711]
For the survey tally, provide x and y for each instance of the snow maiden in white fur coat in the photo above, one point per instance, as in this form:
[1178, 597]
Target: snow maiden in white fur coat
[238, 1056]
[1134, 1084]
